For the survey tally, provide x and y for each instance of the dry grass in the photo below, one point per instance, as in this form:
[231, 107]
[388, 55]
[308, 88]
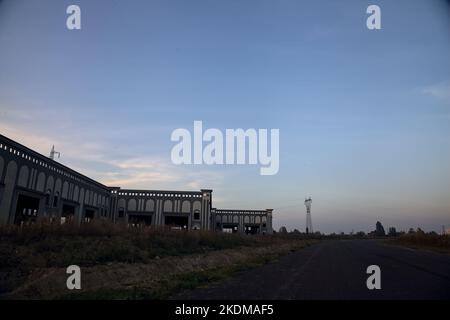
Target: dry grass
[122, 262]
[421, 240]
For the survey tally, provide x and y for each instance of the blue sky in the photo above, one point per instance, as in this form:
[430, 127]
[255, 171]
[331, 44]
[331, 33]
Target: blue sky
[364, 116]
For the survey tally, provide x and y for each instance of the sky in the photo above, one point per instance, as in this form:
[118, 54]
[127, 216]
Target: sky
[364, 115]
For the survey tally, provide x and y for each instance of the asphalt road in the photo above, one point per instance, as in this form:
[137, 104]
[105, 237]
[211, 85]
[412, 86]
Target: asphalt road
[337, 270]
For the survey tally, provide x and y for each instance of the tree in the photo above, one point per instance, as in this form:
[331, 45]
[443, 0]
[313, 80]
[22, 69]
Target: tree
[392, 232]
[360, 234]
[379, 230]
[283, 230]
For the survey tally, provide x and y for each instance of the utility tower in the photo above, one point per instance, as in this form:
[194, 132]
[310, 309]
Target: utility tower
[53, 153]
[309, 228]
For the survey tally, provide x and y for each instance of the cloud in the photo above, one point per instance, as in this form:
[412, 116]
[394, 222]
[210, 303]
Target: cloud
[439, 90]
[157, 173]
[95, 153]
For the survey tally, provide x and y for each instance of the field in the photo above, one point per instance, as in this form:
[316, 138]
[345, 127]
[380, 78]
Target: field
[421, 240]
[118, 262]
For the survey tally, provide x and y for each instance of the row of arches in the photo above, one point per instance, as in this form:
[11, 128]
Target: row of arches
[168, 206]
[52, 187]
[250, 219]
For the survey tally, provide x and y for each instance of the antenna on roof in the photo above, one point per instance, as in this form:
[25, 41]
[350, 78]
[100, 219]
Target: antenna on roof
[53, 152]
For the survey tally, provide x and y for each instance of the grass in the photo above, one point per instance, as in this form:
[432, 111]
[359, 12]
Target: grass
[421, 240]
[175, 260]
[166, 287]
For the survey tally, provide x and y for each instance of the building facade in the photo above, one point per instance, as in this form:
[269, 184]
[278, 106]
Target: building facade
[33, 186]
[243, 221]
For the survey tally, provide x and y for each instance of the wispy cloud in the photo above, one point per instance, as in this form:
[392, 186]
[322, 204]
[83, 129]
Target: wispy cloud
[95, 153]
[439, 90]
[156, 173]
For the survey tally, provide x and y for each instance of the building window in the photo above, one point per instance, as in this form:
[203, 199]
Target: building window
[197, 214]
[55, 199]
[47, 198]
[121, 212]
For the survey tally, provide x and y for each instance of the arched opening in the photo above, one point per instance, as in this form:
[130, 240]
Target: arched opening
[55, 199]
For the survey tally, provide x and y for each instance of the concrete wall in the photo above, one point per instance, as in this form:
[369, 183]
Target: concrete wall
[158, 204]
[243, 219]
[26, 172]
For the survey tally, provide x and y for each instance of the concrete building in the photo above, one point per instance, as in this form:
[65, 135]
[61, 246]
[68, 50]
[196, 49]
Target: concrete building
[243, 221]
[33, 186]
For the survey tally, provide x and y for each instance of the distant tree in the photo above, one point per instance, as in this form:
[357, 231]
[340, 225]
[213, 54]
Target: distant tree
[411, 230]
[392, 232]
[420, 231]
[379, 230]
[283, 230]
[295, 231]
[360, 234]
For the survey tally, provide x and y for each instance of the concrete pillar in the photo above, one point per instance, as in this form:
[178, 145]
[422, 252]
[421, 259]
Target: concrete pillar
[8, 192]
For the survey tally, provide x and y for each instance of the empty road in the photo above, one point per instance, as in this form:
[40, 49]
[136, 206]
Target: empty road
[337, 270]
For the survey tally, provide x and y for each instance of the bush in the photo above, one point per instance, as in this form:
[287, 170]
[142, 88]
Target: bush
[421, 238]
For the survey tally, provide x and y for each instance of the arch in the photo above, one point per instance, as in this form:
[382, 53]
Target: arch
[40, 185]
[11, 172]
[58, 184]
[87, 195]
[132, 205]
[10, 179]
[246, 219]
[121, 208]
[48, 194]
[150, 205]
[236, 219]
[76, 191]
[186, 206]
[23, 176]
[257, 219]
[65, 190]
[56, 199]
[50, 184]
[197, 205]
[121, 203]
[2, 164]
[82, 196]
[95, 200]
[168, 206]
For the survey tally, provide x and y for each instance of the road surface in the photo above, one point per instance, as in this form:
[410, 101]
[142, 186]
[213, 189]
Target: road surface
[337, 270]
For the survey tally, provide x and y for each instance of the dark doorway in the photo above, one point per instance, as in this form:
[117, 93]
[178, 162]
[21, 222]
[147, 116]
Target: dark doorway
[68, 213]
[139, 220]
[88, 215]
[176, 223]
[26, 210]
[249, 229]
[230, 228]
